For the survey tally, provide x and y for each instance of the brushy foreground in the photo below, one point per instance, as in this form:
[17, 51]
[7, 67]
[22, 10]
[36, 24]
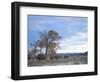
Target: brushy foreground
[69, 60]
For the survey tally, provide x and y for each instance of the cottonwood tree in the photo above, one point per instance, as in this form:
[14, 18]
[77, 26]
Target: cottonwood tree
[50, 41]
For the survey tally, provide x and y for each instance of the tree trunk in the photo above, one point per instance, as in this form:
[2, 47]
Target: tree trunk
[35, 50]
[46, 53]
[40, 50]
[35, 53]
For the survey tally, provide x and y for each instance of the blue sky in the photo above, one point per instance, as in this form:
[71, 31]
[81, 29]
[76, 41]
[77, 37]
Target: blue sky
[73, 30]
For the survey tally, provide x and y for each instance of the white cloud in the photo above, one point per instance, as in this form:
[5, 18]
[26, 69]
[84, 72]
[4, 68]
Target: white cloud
[76, 43]
[73, 49]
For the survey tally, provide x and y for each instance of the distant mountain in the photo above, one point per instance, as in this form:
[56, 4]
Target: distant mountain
[73, 54]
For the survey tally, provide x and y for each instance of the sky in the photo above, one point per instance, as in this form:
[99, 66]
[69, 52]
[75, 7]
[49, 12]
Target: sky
[73, 30]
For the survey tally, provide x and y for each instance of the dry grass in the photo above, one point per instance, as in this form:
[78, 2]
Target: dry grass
[71, 60]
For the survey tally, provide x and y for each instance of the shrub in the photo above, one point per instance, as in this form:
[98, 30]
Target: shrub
[66, 56]
[40, 57]
[56, 57]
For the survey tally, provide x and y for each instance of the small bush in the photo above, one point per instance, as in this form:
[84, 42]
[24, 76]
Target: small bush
[40, 57]
[56, 57]
[66, 56]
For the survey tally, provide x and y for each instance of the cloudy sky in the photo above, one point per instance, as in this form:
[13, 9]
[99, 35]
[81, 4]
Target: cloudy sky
[73, 31]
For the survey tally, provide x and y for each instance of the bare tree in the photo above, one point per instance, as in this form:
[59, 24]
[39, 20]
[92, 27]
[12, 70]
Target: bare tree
[34, 48]
[41, 45]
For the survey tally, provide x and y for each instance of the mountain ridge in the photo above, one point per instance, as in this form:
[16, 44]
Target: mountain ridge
[73, 54]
